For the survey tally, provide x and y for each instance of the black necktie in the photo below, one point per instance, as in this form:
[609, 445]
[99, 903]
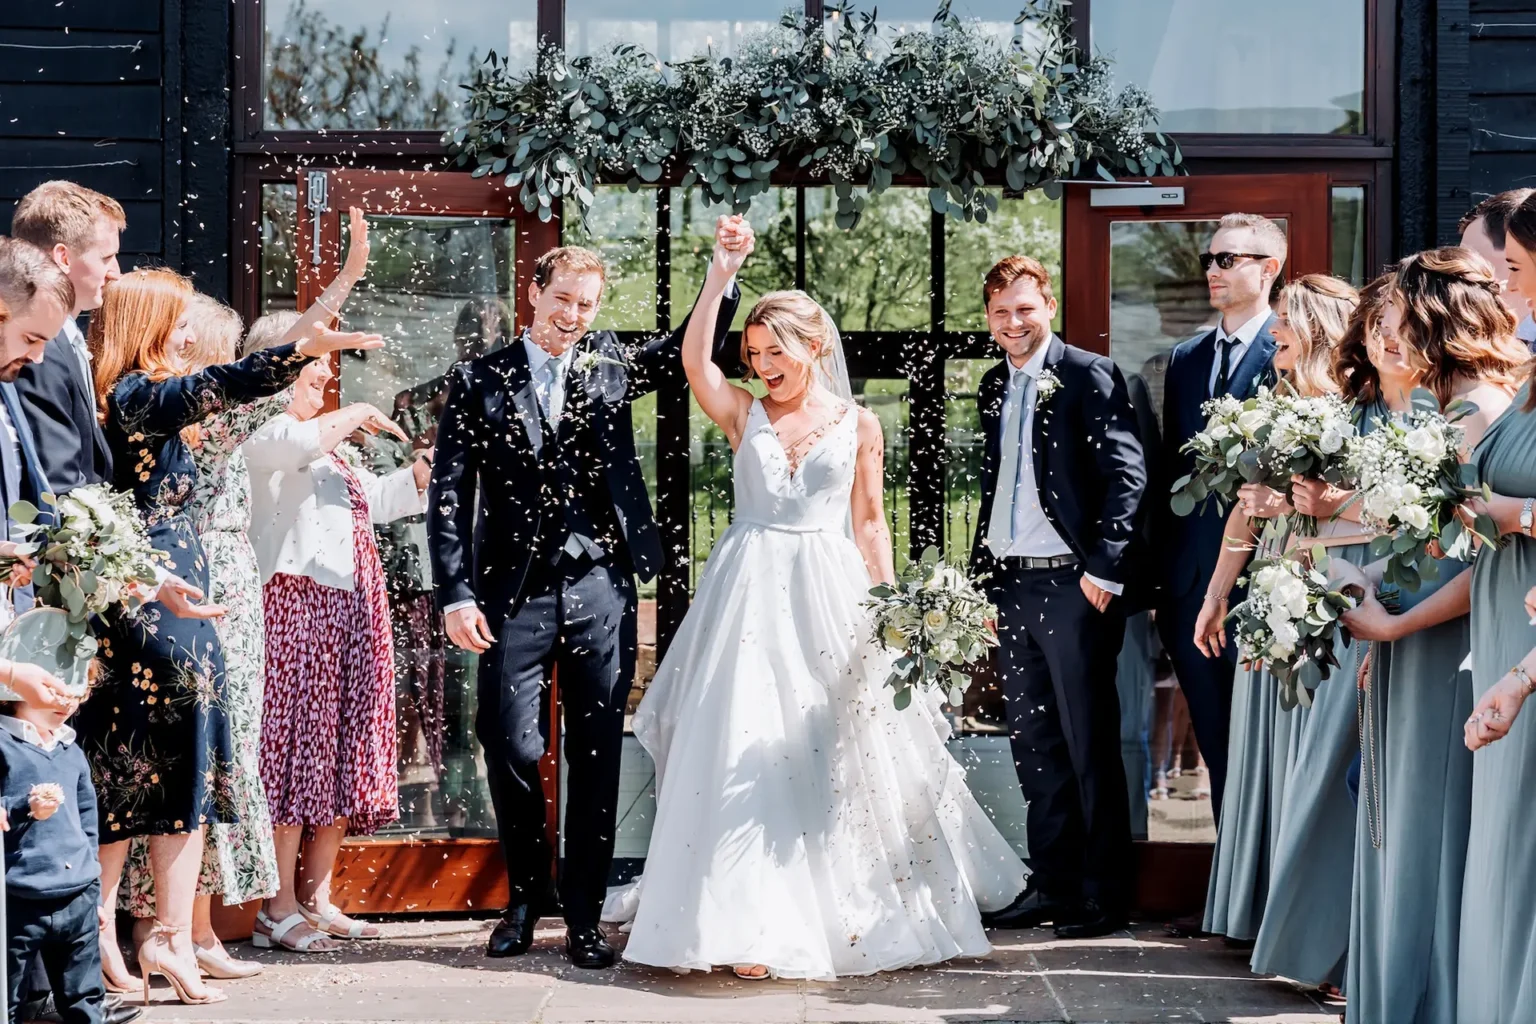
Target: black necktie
[1224, 368]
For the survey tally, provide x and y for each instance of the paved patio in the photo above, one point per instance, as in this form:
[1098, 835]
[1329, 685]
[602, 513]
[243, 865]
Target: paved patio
[432, 971]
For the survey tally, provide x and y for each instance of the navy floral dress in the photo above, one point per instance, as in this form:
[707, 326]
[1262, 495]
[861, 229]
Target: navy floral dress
[156, 728]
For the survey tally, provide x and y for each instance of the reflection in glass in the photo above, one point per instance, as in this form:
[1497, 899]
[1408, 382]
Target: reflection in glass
[1349, 234]
[875, 277]
[364, 64]
[1216, 66]
[671, 30]
[278, 284]
[621, 227]
[995, 17]
[439, 290]
[1029, 226]
[770, 268]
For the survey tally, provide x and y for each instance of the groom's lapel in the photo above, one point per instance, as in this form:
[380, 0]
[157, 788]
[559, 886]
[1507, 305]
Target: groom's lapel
[520, 384]
[1055, 349]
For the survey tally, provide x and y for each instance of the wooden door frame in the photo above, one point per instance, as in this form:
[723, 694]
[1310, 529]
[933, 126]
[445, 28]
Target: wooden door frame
[1303, 200]
[408, 874]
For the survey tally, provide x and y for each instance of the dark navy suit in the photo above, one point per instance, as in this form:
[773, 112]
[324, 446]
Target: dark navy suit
[34, 481]
[1190, 545]
[60, 403]
[1057, 653]
[509, 491]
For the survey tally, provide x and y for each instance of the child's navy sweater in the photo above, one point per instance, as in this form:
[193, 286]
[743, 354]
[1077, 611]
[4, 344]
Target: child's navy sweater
[56, 857]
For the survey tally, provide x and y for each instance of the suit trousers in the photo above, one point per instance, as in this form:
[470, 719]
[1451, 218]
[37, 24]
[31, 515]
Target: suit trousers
[578, 617]
[61, 932]
[1058, 658]
[1206, 682]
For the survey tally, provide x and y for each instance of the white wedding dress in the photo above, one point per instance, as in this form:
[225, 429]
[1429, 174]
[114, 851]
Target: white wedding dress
[802, 822]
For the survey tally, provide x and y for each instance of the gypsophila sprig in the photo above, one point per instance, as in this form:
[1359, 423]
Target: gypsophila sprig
[1226, 452]
[1290, 621]
[936, 617]
[1410, 479]
[93, 557]
[829, 97]
[1307, 437]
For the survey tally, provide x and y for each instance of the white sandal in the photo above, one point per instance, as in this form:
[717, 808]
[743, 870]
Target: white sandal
[325, 923]
[277, 932]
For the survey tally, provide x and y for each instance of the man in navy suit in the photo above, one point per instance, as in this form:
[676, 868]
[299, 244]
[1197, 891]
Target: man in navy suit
[79, 228]
[1063, 474]
[1241, 264]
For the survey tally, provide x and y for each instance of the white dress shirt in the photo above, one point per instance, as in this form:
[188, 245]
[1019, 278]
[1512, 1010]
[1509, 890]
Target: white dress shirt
[82, 351]
[1033, 536]
[1244, 336]
[27, 733]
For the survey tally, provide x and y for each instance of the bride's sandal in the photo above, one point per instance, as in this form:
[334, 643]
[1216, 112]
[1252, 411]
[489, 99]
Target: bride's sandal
[751, 972]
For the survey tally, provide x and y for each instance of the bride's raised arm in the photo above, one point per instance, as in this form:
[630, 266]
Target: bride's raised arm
[721, 401]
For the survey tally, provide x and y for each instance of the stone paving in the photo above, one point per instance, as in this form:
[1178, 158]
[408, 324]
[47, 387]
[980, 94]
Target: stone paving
[433, 971]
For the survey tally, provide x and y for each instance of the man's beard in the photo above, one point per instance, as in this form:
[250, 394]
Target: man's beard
[10, 371]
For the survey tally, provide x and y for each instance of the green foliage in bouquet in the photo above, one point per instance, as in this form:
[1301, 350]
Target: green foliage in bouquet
[937, 618]
[1411, 482]
[827, 97]
[1226, 453]
[1290, 621]
[92, 554]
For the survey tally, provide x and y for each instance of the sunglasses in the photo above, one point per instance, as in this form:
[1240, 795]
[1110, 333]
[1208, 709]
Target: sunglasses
[1227, 260]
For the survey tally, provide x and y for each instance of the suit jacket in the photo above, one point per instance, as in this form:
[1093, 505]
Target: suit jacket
[1089, 466]
[61, 405]
[487, 510]
[34, 482]
[1190, 545]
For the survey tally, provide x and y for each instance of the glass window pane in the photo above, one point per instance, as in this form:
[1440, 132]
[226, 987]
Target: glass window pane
[621, 226]
[672, 30]
[770, 267]
[439, 289]
[875, 277]
[962, 455]
[278, 283]
[364, 64]
[1029, 225]
[1349, 234]
[996, 17]
[1218, 66]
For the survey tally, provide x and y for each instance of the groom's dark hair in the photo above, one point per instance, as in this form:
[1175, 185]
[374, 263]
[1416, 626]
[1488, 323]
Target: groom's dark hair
[568, 257]
[1008, 270]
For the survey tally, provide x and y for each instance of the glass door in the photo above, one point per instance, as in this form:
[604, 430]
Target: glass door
[1134, 290]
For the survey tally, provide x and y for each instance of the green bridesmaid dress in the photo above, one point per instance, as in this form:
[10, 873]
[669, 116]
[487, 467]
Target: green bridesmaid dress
[1497, 971]
[1411, 831]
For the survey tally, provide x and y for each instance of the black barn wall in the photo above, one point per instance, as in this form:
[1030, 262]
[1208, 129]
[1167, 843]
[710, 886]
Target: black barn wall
[129, 97]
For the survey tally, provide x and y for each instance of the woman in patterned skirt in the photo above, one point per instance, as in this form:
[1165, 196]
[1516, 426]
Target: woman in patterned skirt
[328, 743]
[158, 731]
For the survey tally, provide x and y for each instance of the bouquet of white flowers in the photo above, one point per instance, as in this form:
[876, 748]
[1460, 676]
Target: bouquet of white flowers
[1226, 452]
[1410, 479]
[1307, 437]
[1289, 621]
[937, 618]
[94, 555]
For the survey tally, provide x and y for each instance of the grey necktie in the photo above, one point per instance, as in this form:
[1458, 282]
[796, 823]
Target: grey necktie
[1010, 441]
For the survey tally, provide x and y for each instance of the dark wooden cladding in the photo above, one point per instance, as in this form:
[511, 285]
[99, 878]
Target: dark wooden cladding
[108, 15]
[33, 55]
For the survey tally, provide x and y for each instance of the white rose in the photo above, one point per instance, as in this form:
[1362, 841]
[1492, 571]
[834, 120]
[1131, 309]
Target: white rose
[1251, 421]
[1332, 441]
[948, 651]
[1220, 432]
[1413, 516]
[1379, 506]
[895, 637]
[936, 619]
[1411, 493]
[1425, 444]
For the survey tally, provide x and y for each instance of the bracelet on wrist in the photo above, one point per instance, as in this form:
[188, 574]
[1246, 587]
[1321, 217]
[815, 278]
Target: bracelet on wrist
[1216, 597]
[1527, 684]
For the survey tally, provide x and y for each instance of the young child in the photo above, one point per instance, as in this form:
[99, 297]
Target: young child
[52, 876]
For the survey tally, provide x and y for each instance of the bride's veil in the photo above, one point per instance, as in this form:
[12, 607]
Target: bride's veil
[832, 368]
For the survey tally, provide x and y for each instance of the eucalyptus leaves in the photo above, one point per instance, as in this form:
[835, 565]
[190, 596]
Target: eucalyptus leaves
[832, 100]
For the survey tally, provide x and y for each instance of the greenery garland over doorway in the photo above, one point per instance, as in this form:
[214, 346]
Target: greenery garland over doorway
[832, 99]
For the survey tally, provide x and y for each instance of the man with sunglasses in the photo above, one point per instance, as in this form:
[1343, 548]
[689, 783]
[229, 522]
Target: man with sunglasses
[1241, 264]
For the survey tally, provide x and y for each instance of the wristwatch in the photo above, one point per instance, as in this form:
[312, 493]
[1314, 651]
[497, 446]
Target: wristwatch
[1525, 516]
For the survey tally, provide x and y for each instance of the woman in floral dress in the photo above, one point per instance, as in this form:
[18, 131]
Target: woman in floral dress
[328, 742]
[157, 732]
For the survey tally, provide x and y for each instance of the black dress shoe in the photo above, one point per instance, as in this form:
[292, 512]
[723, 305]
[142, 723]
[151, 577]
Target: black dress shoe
[1091, 922]
[513, 934]
[1030, 910]
[586, 947]
[113, 1010]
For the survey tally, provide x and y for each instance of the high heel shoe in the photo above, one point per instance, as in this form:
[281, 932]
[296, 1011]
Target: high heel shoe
[219, 965]
[150, 964]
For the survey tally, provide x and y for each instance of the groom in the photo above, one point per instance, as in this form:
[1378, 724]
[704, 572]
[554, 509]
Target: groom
[1062, 476]
[538, 521]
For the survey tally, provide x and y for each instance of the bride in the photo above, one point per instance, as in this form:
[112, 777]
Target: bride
[804, 827]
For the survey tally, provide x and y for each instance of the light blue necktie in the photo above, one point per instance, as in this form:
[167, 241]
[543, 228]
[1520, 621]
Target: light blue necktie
[1011, 440]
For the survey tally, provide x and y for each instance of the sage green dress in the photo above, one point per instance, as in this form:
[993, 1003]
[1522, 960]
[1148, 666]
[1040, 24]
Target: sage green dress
[1497, 971]
[1411, 831]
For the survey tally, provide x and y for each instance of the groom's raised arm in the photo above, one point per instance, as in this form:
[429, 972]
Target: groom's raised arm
[661, 361]
[1121, 464]
[451, 494]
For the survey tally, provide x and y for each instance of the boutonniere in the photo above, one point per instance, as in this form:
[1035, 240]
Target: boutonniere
[1046, 385]
[590, 360]
[350, 453]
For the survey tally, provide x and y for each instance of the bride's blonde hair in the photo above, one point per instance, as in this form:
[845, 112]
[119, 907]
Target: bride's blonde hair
[796, 322]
